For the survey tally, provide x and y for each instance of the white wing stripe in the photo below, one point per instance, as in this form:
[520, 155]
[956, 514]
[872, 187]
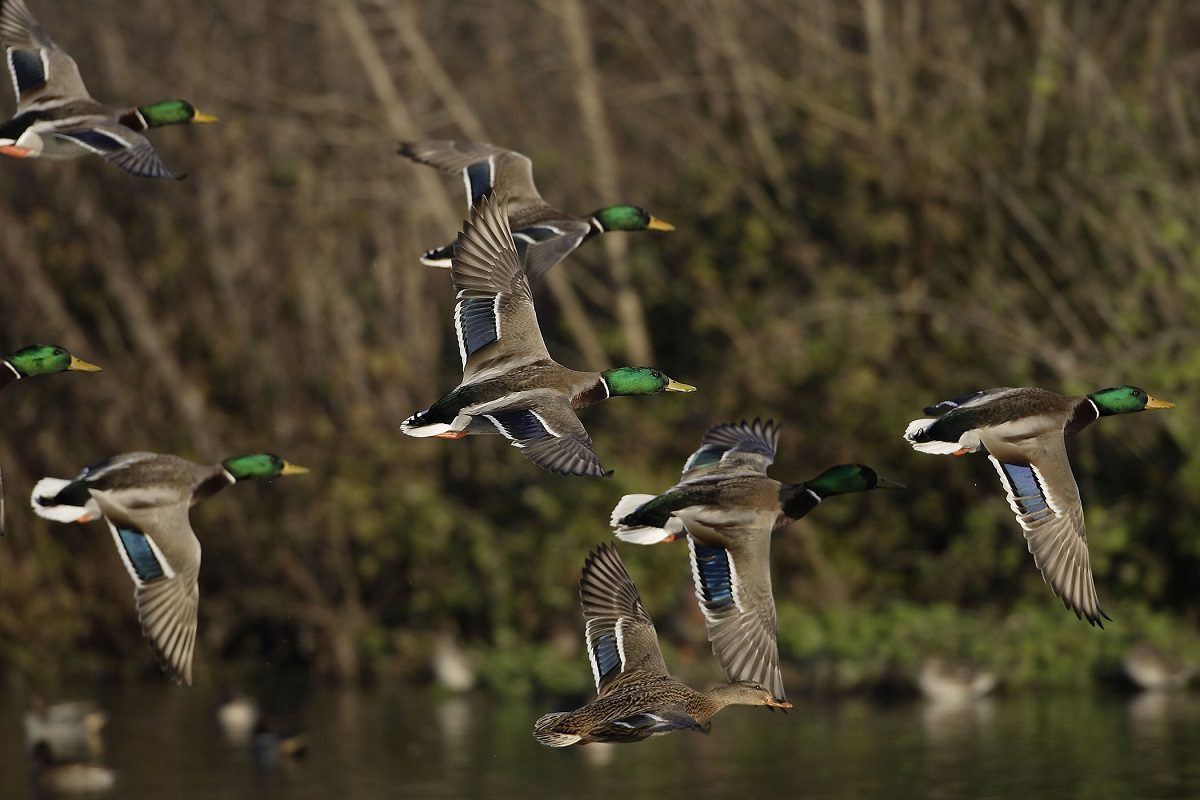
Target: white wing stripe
[619, 635]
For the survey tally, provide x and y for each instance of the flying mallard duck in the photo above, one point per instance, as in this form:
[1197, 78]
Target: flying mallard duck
[729, 508]
[510, 384]
[544, 235]
[636, 697]
[144, 498]
[57, 118]
[37, 359]
[1023, 431]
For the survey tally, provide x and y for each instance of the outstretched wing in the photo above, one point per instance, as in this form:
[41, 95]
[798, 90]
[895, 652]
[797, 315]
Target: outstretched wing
[494, 318]
[547, 430]
[485, 168]
[41, 71]
[162, 555]
[121, 147]
[742, 446]
[1045, 499]
[620, 634]
[733, 588]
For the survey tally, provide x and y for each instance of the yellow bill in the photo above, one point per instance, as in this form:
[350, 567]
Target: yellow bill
[657, 224]
[293, 469]
[79, 365]
[676, 386]
[1154, 403]
[202, 117]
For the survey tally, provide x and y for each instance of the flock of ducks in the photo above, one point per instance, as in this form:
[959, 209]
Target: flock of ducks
[725, 506]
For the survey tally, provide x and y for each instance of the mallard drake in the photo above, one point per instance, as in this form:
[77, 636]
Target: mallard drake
[952, 682]
[728, 508]
[68, 776]
[37, 359]
[636, 697]
[543, 234]
[1023, 431]
[144, 498]
[1153, 670]
[511, 385]
[56, 117]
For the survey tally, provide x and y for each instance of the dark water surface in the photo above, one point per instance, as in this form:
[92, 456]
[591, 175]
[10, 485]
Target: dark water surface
[164, 743]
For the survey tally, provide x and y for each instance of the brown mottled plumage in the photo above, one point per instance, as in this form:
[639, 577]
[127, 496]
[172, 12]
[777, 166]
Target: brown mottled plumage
[637, 697]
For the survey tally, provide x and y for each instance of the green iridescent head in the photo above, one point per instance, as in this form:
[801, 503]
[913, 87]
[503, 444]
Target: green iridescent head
[629, 218]
[1125, 400]
[172, 112]
[640, 380]
[847, 478]
[260, 465]
[47, 359]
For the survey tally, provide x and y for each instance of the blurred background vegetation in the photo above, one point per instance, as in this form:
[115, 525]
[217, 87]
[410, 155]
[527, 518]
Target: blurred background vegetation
[879, 205]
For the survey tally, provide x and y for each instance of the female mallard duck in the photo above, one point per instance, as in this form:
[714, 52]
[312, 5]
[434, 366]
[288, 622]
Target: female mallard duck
[636, 697]
[144, 498]
[1023, 431]
[37, 359]
[57, 118]
[544, 235]
[729, 508]
[510, 384]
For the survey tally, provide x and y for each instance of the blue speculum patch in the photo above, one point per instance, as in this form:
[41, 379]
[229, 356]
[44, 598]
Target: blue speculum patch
[479, 177]
[716, 578]
[137, 547]
[27, 67]
[607, 657]
[708, 454]
[477, 322]
[96, 139]
[520, 425]
[1027, 491]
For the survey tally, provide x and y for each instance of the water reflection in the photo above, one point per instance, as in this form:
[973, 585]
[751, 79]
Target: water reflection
[167, 742]
[946, 723]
